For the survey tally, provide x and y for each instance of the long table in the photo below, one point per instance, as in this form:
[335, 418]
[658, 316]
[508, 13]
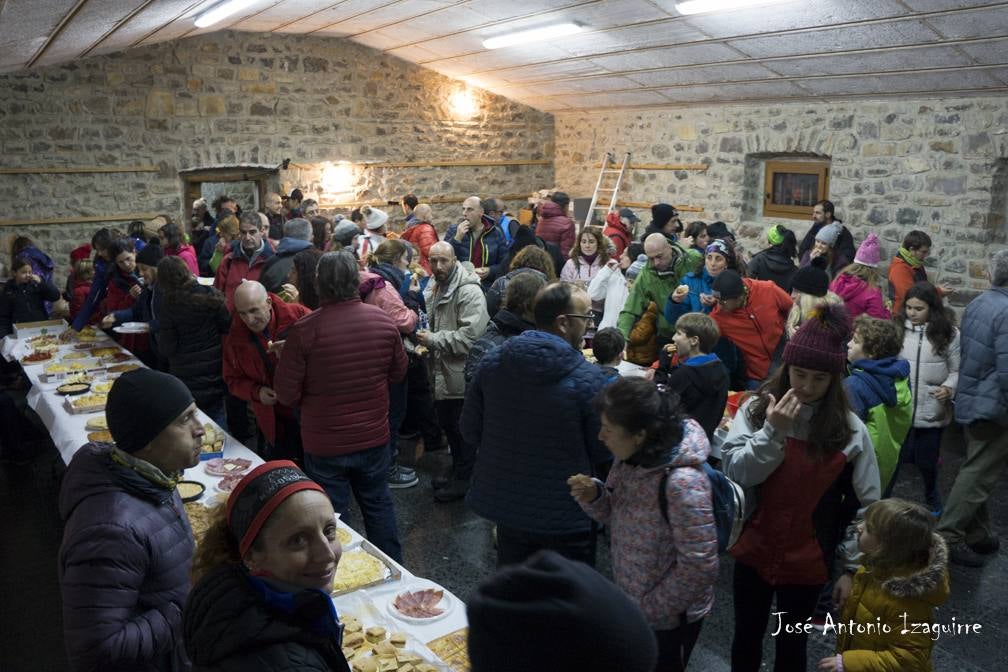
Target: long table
[68, 433]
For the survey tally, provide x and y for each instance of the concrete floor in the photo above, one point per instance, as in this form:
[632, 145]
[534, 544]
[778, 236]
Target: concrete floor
[450, 545]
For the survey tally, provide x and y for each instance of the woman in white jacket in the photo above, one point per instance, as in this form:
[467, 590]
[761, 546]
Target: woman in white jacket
[609, 285]
[931, 345]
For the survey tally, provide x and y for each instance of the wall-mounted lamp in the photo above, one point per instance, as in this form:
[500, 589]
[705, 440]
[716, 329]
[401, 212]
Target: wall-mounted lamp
[463, 104]
[337, 178]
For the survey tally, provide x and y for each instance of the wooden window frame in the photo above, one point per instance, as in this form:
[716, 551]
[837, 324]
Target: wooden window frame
[819, 167]
[192, 181]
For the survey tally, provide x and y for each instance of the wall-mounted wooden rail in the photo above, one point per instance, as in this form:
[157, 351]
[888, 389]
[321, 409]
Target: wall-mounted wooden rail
[644, 204]
[77, 169]
[435, 199]
[128, 217]
[663, 166]
[438, 164]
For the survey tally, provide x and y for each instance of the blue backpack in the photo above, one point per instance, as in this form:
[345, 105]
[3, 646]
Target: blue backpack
[727, 499]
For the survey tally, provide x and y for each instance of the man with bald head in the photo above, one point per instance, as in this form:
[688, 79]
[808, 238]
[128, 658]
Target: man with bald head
[478, 240]
[667, 264]
[458, 316]
[251, 353]
[273, 204]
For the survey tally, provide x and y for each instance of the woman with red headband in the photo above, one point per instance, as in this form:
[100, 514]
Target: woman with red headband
[262, 575]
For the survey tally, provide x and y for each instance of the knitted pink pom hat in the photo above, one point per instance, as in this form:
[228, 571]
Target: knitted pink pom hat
[869, 253]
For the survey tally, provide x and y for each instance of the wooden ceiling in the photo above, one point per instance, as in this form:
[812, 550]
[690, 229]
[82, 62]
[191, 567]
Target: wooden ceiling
[632, 53]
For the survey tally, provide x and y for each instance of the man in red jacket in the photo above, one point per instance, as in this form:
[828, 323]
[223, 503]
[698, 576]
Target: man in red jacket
[250, 359]
[752, 315]
[336, 367]
[245, 261]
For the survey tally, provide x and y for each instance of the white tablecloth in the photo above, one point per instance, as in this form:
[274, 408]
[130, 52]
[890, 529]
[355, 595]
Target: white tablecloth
[69, 434]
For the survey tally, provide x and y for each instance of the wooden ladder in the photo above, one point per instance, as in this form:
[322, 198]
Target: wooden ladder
[601, 189]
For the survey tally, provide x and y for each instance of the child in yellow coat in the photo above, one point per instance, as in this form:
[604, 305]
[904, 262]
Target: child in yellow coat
[903, 577]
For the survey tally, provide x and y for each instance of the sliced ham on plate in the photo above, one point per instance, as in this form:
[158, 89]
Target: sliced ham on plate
[419, 603]
[220, 466]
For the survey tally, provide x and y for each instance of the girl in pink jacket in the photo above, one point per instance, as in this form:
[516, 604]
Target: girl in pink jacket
[666, 561]
[860, 283]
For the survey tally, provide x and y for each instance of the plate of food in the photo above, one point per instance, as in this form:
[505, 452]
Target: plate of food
[75, 354]
[122, 368]
[117, 357]
[199, 518]
[132, 328]
[104, 352]
[228, 483]
[89, 334]
[358, 569]
[64, 367]
[70, 389]
[87, 403]
[190, 491]
[83, 346]
[220, 466]
[103, 386]
[100, 436]
[421, 602]
[373, 648]
[96, 423]
[37, 357]
[43, 339]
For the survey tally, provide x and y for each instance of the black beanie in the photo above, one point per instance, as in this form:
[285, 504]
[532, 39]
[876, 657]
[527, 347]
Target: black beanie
[812, 279]
[141, 404]
[720, 230]
[662, 214]
[150, 255]
[727, 285]
[555, 614]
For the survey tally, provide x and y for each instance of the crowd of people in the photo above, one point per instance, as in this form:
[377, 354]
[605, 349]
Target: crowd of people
[579, 377]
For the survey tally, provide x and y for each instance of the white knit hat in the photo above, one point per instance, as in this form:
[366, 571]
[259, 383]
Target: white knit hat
[373, 218]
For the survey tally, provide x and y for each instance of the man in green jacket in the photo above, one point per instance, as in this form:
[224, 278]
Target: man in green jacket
[667, 264]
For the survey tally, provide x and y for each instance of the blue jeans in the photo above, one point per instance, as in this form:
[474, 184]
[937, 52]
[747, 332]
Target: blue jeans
[366, 475]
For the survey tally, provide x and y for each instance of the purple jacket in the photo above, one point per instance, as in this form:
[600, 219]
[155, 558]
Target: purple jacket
[666, 567]
[123, 567]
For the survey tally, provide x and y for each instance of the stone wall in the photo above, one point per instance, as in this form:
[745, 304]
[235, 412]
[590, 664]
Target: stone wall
[937, 165]
[242, 98]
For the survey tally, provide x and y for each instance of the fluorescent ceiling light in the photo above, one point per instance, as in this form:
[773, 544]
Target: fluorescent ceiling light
[704, 6]
[221, 12]
[534, 35]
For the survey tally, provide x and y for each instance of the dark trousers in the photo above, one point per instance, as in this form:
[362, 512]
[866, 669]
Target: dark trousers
[753, 597]
[287, 444]
[921, 448]
[365, 474]
[463, 455]
[238, 424]
[420, 414]
[515, 546]
[676, 646]
[397, 411]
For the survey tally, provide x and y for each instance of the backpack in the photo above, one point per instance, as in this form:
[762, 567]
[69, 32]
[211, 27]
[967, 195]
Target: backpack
[727, 499]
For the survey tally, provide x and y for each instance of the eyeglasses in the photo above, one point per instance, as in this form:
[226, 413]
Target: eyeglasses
[589, 319]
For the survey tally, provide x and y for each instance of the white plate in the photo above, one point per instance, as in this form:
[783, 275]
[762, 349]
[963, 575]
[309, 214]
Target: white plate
[446, 604]
[131, 330]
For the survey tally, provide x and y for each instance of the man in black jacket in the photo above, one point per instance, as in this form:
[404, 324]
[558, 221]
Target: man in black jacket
[822, 215]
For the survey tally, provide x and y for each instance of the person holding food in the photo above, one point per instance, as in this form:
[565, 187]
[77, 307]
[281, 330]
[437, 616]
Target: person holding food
[147, 305]
[124, 287]
[23, 297]
[695, 294]
[251, 355]
[666, 561]
[126, 552]
[262, 578]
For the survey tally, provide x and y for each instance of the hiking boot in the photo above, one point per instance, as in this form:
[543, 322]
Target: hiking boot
[402, 477]
[455, 490]
[987, 546]
[961, 554]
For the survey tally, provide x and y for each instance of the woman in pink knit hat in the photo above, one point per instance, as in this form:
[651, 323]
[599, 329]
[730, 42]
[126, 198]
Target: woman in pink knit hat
[860, 283]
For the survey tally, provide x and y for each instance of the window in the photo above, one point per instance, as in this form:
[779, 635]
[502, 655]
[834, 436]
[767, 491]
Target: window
[791, 188]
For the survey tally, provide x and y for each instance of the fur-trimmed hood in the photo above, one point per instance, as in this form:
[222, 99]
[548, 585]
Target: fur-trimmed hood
[929, 584]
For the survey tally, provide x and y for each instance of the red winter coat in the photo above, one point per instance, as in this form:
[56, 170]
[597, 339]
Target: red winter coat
[617, 232]
[235, 268]
[77, 299]
[421, 236]
[245, 370]
[337, 366]
[757, 327]
[555, 227]
[187, 254]
[117, 297]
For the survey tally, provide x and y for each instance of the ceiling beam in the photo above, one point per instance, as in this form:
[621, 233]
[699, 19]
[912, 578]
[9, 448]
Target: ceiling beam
[309, 15]
[67, 18]
[411, 18]
[745, 61]
[119, 24]
[164, 25]
[234, 23]
[354, 16]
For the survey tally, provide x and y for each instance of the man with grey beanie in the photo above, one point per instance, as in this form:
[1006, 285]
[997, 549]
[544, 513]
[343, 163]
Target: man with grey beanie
[127, 546]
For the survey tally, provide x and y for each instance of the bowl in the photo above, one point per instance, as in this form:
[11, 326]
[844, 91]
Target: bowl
[190, 491]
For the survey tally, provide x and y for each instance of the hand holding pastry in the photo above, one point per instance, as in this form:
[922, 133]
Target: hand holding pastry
[583, 488]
